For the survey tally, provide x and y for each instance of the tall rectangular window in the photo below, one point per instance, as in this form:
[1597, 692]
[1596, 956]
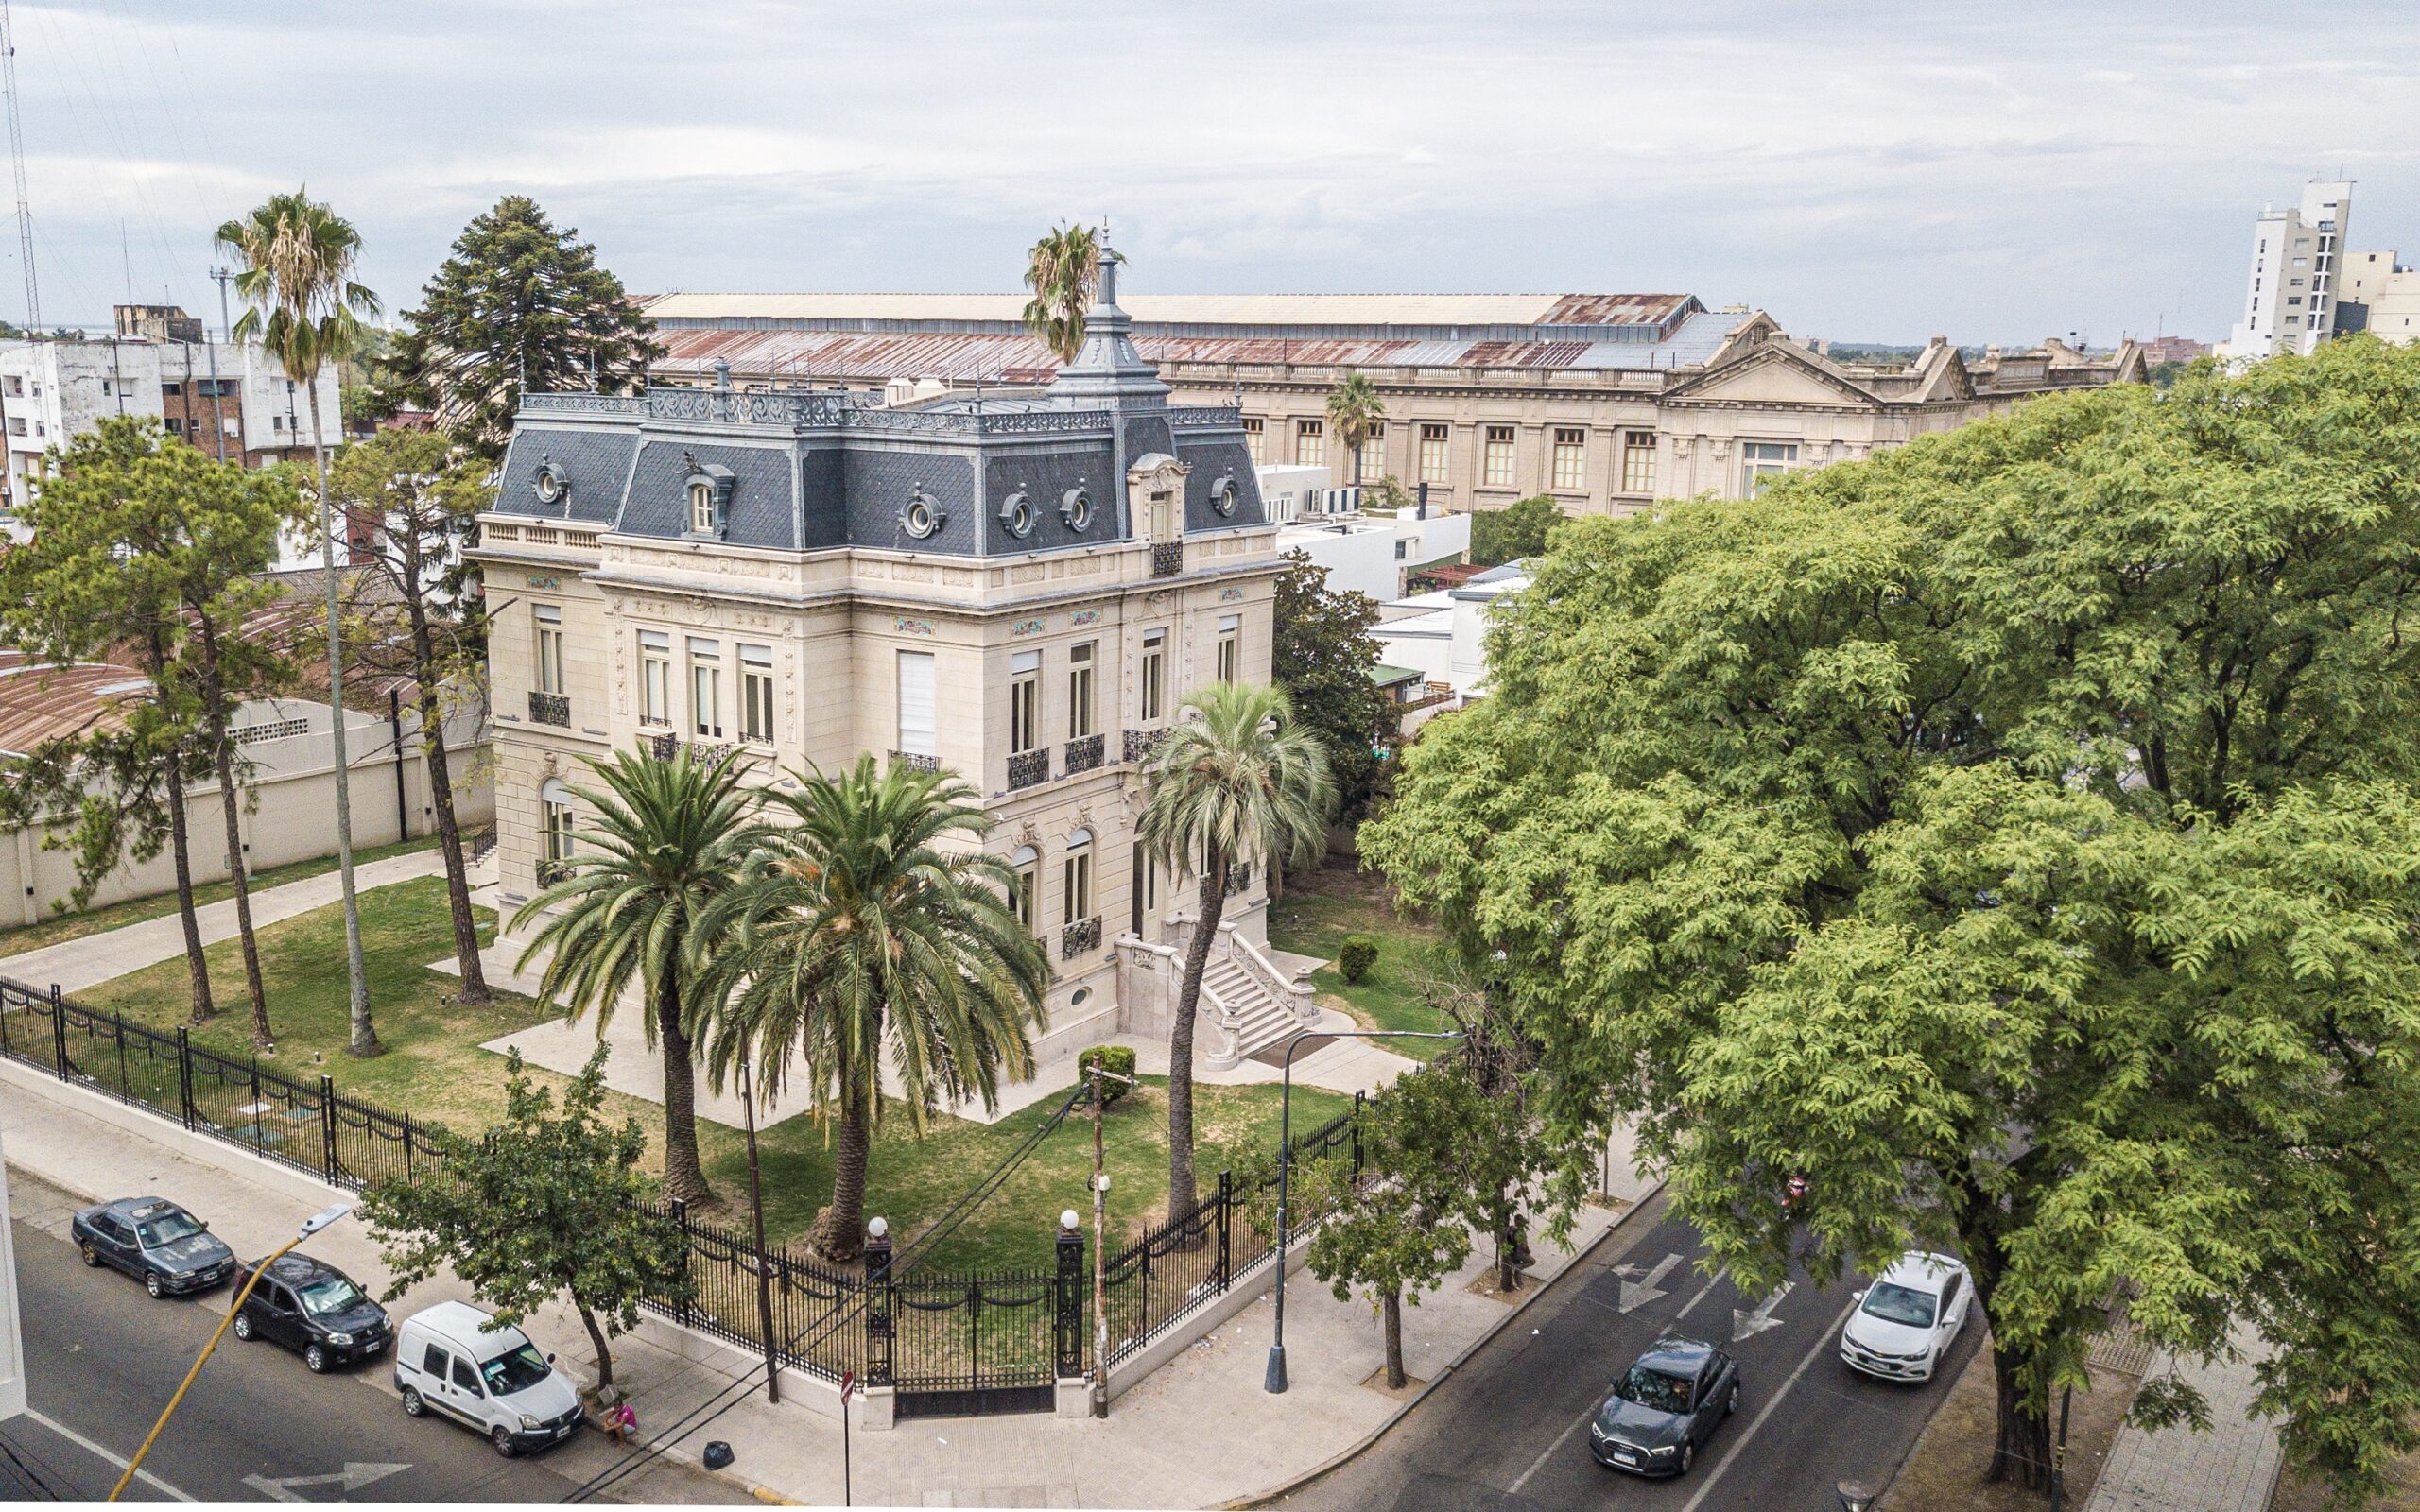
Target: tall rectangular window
[705, 688]
[1252, 439]
[1022, 900]
[756, 694]
[1498, 460]
[548, 620]
[1432, 454]
[1076, 881]
[1024, 702]
[1231, 646]
[919, 718]
[1310, 442]
[555, 823]
[1762, 462]
[1153, 675]
[1145, 889]
[1373, 454]
[655, 677]
[1638, 461]
[1570, 458]
[1080, 690]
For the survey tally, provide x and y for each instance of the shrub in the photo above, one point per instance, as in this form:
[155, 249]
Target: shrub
[1358, 954]
[1118, 1061]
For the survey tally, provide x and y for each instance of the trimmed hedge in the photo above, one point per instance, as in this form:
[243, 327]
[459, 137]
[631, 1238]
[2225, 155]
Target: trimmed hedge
[1118, 1061]
[1355, 957]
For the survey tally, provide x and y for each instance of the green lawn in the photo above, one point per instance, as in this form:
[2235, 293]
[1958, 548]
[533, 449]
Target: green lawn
[434, 1066]
[1321, 907]
[62, 927]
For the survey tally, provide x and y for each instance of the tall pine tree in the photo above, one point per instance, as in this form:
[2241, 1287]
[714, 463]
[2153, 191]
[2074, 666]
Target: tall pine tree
[518, 307]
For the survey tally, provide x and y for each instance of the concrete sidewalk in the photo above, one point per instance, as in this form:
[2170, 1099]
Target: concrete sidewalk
[77, 963]
[1199, 1433]
[2233, 1468]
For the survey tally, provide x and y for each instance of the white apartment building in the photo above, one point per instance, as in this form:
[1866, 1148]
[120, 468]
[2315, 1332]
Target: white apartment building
[226, 399]
[2380, 293]
[2289, 302]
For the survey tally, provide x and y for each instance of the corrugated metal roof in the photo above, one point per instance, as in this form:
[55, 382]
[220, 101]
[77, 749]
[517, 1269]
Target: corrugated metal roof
[39, 702]
[1194, 309]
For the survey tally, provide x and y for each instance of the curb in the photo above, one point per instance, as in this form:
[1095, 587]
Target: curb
[1356, 1449]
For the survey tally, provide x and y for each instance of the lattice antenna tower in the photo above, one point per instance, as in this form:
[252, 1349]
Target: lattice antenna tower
[17, 159]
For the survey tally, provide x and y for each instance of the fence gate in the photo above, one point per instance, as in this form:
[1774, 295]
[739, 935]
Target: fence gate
[968, 1346]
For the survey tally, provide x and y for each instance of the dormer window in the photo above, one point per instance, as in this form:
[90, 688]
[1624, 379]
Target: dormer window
[1076, 508]
[1223, 493]
[1017, 514]
[923, 516]
[708, 489]
[553, 485]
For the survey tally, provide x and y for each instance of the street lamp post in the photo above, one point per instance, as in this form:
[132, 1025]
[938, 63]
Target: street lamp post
[1275, 1382]
[310, 1226]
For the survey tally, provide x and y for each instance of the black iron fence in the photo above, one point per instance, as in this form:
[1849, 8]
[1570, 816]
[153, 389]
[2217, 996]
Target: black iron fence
[950, 1342]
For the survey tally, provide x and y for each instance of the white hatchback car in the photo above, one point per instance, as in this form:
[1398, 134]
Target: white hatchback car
[1907, 1320]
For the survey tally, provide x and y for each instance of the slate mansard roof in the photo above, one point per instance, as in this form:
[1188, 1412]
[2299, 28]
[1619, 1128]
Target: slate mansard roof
[809, 470]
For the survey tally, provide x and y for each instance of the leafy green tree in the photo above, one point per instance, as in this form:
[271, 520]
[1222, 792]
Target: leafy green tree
[1063, 270]
[519, 307]
[1519, 529]
[867, 928]
[298, 259]
[1322, 655]
[1355, 412]
[142, 545]
[550, 1204]
[2015, 835]
[412, 501]
[668, 838]
[1238, 776]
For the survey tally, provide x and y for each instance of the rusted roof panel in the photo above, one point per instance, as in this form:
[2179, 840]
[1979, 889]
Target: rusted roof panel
[42, 701]
[1613, 309]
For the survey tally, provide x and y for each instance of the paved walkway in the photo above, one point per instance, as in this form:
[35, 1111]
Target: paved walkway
[77, 963]
[2232, 1468]
[1197, 1432]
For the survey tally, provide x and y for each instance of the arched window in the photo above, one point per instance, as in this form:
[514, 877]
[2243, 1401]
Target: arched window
[1076, 877]
[554, 831]
[701, 508]
[1028, 862]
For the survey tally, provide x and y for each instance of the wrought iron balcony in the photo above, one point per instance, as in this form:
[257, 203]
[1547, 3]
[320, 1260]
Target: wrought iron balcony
[551, 709]
[662, 747]
[1029, 767]
[1141, 743]
[1083, 755]
[1239, 878]
[915, 760]
[1168, 559]
[551, 872]
[1078, 937]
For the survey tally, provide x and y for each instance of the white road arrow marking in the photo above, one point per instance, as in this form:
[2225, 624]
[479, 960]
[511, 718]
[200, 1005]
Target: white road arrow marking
[353, 1479]
[1748, 1325]
[1638, 1294]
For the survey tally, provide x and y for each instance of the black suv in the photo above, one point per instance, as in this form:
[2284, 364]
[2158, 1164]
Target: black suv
[153, 1240]
[315, 1308]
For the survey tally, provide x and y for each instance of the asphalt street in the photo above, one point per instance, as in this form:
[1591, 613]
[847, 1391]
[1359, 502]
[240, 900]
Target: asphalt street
[1508, 1430]
[102, 1359]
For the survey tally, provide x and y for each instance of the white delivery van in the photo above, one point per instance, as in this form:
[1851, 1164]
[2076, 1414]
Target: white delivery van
[459, 1361]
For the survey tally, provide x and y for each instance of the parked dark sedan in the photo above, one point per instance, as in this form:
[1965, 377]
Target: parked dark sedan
[169, 1250]
[1664, 1408]
[313, 1309]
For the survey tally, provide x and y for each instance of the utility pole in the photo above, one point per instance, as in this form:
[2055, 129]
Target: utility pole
[17, 154]
[218, 415]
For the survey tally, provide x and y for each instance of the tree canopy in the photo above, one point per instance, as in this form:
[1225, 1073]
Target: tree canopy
[1322, 656]
[1517, 530]
[2016, 834]
[519, 307]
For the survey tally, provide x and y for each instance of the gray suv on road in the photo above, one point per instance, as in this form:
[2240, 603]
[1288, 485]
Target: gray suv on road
[169, 1250]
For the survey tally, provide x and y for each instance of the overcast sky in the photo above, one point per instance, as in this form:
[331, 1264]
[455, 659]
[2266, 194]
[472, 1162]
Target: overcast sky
[1993, 172]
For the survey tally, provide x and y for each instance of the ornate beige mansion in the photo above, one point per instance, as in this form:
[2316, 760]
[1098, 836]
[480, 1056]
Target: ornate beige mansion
[1020, 591]
[1607, 401]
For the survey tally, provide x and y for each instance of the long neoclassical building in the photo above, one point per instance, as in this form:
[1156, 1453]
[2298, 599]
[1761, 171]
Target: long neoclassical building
[1019, 589]
[1606, 402]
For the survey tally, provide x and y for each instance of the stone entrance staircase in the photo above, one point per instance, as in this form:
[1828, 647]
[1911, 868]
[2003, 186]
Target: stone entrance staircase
[1247, 1004]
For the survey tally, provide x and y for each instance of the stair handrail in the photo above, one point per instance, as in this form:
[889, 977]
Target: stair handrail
[1294, 990]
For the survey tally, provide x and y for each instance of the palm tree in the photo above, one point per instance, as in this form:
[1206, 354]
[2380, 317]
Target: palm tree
[1355, 412]
[298, 260]
[1236, 778]
[1062, 270]
[870, 930]
[670, 838]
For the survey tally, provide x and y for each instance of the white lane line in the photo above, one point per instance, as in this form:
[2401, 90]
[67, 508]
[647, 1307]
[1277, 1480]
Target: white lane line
[81, 1442]
[1565, 1438]
[1825, 1340]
